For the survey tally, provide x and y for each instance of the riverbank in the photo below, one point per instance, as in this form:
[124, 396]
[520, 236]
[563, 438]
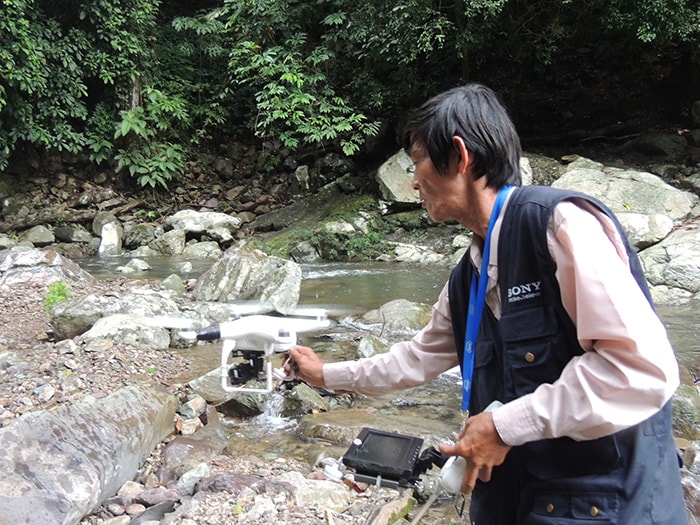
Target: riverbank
[254, 488]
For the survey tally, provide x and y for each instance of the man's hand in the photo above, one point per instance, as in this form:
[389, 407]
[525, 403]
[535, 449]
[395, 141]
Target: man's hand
[307, 365]
[482, 447]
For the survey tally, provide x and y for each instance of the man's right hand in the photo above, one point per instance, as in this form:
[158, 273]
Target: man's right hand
[306, 365]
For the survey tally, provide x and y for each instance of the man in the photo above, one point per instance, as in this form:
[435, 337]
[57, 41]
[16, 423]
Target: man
[548, 315]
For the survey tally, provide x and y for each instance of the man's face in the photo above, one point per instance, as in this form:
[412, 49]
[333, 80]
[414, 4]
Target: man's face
[442, 196]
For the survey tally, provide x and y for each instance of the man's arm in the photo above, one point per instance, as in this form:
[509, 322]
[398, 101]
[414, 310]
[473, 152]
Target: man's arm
[407, 364]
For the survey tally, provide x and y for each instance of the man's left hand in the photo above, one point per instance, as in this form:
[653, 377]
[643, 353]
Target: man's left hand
[482, 447]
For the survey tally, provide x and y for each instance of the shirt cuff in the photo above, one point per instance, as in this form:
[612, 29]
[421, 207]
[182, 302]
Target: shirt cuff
[516, 423]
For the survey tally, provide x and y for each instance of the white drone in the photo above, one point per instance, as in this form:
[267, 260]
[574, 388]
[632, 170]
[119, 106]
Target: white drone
[256, 338]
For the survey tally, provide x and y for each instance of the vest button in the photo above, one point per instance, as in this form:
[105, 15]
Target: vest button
[529, 357]
[594, 511]
[550, 508]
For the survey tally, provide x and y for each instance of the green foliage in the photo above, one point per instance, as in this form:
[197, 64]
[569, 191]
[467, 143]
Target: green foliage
[148, 156]
[58, 292]
[296, 102]
[193, 63]
[655, 20]
[350, 247]
[136, 83]
[42, 91]
[50, 52]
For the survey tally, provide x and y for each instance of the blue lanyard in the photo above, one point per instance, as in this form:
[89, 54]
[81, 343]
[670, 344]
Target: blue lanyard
[477, 298]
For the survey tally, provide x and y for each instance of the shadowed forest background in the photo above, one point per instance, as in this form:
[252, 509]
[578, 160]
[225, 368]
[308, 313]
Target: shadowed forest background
[142, 87]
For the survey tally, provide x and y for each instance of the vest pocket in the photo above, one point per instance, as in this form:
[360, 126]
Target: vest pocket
[528, 339]
[563, 508]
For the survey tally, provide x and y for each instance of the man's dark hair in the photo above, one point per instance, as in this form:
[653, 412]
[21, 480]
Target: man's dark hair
[476, 114]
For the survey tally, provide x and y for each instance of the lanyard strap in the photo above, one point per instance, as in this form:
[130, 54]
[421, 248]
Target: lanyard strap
[477, 298]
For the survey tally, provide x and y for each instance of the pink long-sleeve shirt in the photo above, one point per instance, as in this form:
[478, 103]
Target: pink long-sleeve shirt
[626, 374]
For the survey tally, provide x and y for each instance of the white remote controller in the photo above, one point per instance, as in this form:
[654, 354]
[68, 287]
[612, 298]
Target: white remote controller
[452, 473]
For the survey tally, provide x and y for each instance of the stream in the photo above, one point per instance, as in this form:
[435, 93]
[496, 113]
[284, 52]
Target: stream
[344, 289]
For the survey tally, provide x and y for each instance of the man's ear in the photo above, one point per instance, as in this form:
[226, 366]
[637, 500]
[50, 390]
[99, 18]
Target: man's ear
[462, 154]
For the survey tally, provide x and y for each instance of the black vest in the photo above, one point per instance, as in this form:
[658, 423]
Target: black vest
[615, 477]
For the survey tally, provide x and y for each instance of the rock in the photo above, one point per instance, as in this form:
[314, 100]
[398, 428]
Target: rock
[414, 253]
[246, 274]
[217, 226]
[188, 427]
[129, 491]
[77, 314]
[339, 227]
[202, 250]
[301, 177]
[245, 404]
[102, 218]
[393, 511]
[305, 252]
[326, 494]
[686, 413]
[38, 236]
[192, 450]
[370, 345]
[34, 266]
[169, 243]
[138, 234]
[670, 145]
[394, 179]
[129, 329]
[134, 509]
[187, 482]
[111, 240]
[645, 230]
[231, 482]
[195, 407]
[174, 283]
[7, 242]
[153, 515]
[526, 174]
[148, 303]
[134, 265]
[263, 508]
[630, 192]
[59, 465]
[695, 113]
[399, 315]
[156, 495]
[672, 265]
[118, 520]
[303, 399]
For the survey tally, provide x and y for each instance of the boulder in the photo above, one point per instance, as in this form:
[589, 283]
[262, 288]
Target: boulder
[110, 239]
[76, 315]
[170, 243]
[631, 194]
[247, 274]
[38, 236]
[58, 466]
[129, 329]
[394, 179]
[217, 226]
[399, 315]
[671, 266]
[34, 266]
